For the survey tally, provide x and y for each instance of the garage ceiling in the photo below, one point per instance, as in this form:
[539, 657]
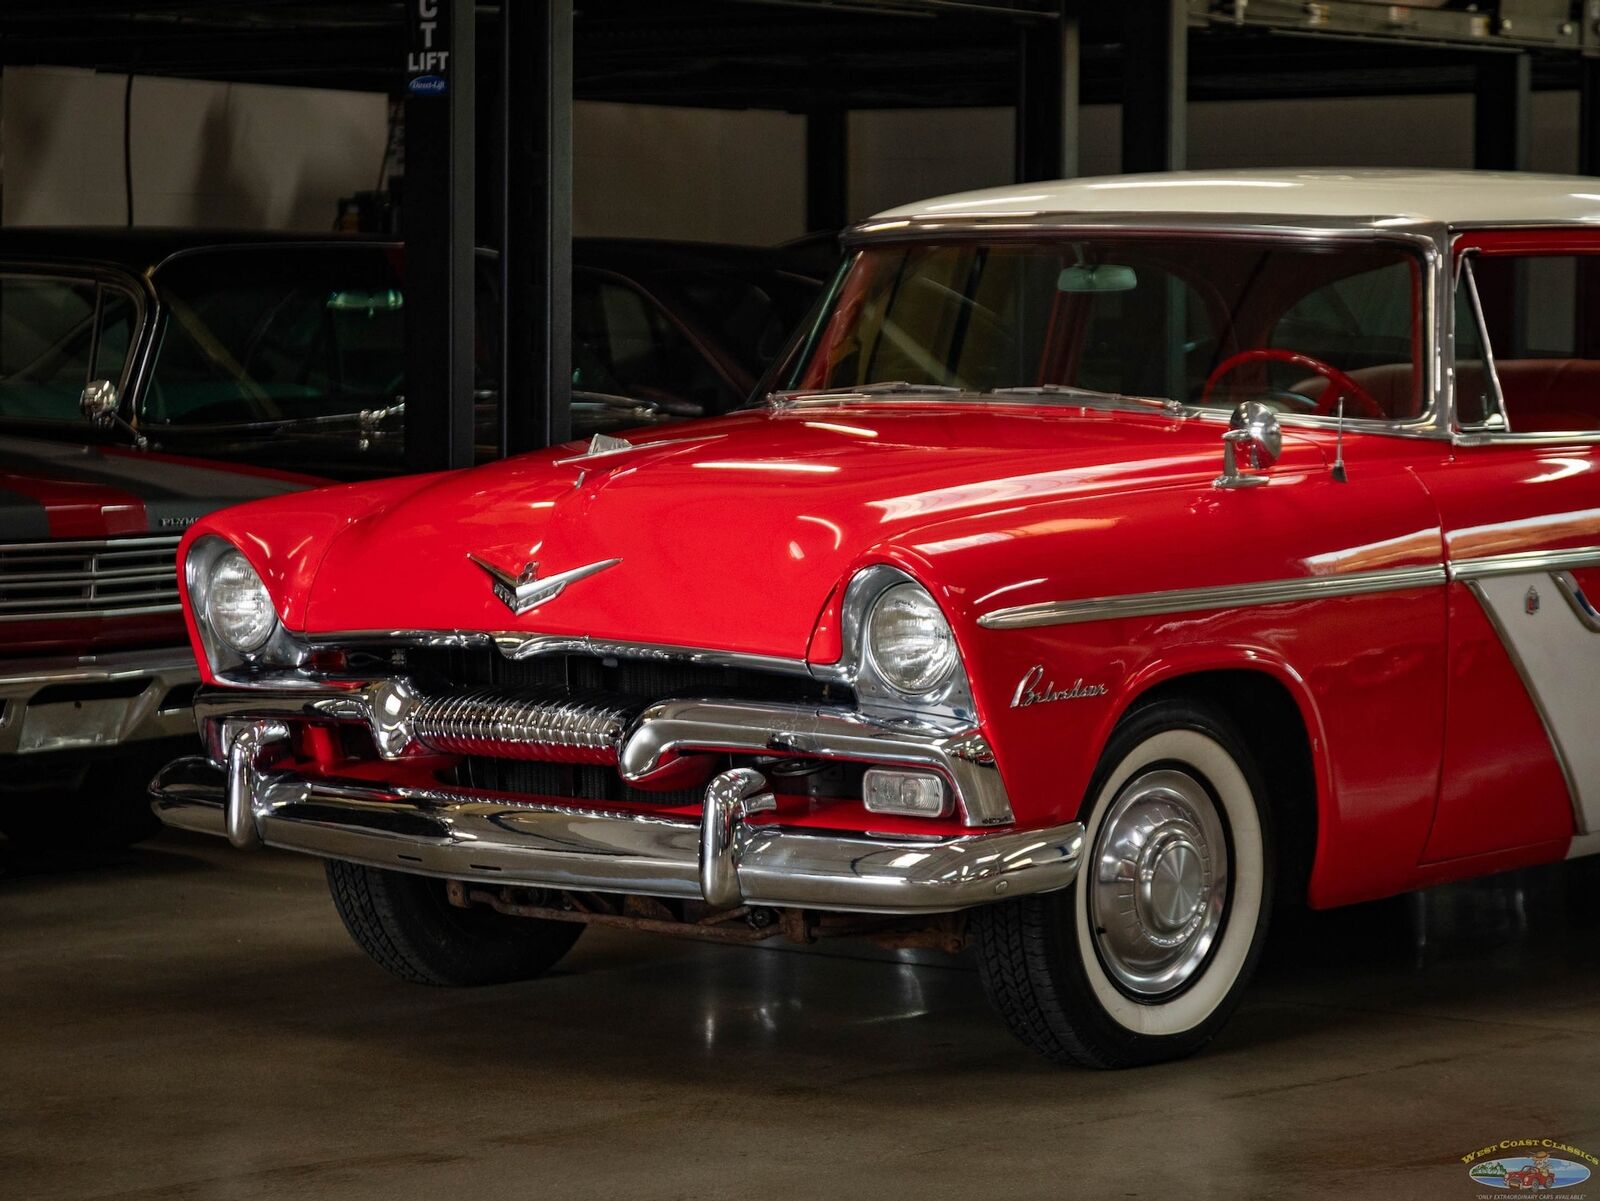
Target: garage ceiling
[782, 54]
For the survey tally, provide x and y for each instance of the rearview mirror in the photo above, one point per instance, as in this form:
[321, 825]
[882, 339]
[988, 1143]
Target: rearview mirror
[1106, 277]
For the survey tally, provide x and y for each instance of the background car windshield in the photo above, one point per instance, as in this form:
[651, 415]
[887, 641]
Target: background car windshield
[1136, 316]
[273, 334]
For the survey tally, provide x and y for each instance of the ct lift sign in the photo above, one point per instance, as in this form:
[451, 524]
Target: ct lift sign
[428, 68]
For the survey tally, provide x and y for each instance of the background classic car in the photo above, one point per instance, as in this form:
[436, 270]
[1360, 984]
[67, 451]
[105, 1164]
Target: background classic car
[288, 351]
[1125, 556]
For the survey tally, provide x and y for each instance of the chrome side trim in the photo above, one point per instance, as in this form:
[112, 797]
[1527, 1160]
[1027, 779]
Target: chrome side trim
[1227, 596]
[1523, 562]
[1582, 607]
[465, 836]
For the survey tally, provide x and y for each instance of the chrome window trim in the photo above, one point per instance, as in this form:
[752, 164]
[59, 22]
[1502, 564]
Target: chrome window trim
[1430, 239]
[1226, 596]
[1486, 434]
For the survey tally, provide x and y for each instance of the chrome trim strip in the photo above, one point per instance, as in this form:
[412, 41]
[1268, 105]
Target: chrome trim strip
[1523, 562]
[1573, 592]
[1227, 596]
[659, 735]
[518, 646]
[465, 836]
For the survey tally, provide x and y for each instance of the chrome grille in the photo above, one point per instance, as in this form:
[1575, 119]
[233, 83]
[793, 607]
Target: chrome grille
[525, 724]
[114, 577]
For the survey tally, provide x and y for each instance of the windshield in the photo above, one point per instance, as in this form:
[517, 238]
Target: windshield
[1203, 320]
[282, 334]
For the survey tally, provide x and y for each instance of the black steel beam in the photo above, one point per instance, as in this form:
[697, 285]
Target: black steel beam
[827, 169]
[1049, 74]
[536, 234]
[1155, 85]
[1589, 117]
[1502, 115]
[437, 226]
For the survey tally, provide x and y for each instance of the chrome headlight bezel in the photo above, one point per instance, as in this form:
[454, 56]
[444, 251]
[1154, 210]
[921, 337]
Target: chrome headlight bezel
[276, 649]
[947, 701]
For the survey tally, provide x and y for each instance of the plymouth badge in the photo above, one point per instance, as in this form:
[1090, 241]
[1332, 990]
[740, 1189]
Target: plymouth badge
[526, 591]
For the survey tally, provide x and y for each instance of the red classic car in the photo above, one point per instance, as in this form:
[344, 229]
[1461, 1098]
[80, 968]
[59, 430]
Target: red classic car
[1116, 559]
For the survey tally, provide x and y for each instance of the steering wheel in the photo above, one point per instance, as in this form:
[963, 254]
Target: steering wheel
[1339, 384]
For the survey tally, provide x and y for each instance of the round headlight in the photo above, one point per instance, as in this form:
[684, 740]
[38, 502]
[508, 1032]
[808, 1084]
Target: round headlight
[237, 605]
[909, 640]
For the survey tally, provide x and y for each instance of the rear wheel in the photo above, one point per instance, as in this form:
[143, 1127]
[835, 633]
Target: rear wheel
[1146, 955]
[407, 926]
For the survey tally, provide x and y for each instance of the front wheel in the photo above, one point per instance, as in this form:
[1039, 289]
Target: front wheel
[1144, 957]
[407, 925]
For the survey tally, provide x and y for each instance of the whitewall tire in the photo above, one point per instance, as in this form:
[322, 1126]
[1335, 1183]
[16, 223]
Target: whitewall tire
[1146, 955]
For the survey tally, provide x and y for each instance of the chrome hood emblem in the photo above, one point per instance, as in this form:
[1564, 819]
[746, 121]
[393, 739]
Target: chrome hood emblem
[526, 591]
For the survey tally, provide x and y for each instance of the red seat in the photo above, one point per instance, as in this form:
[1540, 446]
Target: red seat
[1543, 396]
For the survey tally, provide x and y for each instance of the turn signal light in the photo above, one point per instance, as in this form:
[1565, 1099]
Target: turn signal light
[907, 793]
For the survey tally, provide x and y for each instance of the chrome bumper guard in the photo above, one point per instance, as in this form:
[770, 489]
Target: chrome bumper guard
[725, 858]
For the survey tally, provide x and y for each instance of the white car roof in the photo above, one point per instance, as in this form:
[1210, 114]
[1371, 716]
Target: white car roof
[1460, 198]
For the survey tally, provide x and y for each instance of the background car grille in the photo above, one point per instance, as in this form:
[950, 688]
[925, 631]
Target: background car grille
[456, 670]
[115, 577]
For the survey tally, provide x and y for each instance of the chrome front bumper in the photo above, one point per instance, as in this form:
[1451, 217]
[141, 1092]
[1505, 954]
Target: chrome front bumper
[726, 858]
[57, 704]
[639, 742]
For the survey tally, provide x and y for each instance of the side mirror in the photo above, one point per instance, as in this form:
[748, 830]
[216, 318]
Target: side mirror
[1254, 433]
[98, 402]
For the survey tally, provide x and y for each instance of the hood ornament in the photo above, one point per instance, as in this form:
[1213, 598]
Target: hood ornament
[526, 591]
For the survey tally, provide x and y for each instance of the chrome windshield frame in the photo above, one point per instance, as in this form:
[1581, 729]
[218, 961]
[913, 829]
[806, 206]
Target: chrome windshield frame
[1429, 239]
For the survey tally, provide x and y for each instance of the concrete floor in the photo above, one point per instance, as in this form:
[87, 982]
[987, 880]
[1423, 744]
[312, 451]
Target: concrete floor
[183, 1021]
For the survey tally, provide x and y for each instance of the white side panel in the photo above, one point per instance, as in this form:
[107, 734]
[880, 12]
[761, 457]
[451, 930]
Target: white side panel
[1558, 655]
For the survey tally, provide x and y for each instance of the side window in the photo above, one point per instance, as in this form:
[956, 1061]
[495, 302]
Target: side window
[118, 318]
[1541, 318]
[46, 332]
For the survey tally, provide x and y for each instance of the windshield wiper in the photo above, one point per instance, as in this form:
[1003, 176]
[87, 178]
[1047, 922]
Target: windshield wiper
[883, 388]
[1091, 396]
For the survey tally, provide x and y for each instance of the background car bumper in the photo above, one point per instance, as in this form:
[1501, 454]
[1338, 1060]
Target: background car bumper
[75, 704]
[725, 858]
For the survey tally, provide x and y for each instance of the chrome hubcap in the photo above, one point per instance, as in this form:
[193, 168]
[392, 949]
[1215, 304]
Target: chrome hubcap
[1160, 885]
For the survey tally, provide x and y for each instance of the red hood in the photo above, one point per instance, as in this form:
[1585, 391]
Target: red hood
[732, 533]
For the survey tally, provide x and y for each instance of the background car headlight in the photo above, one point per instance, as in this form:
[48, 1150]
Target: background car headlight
[238, 607]
[909, 640]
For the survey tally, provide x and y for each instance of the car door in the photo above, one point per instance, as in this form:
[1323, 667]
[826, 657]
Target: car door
[1519, 500]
